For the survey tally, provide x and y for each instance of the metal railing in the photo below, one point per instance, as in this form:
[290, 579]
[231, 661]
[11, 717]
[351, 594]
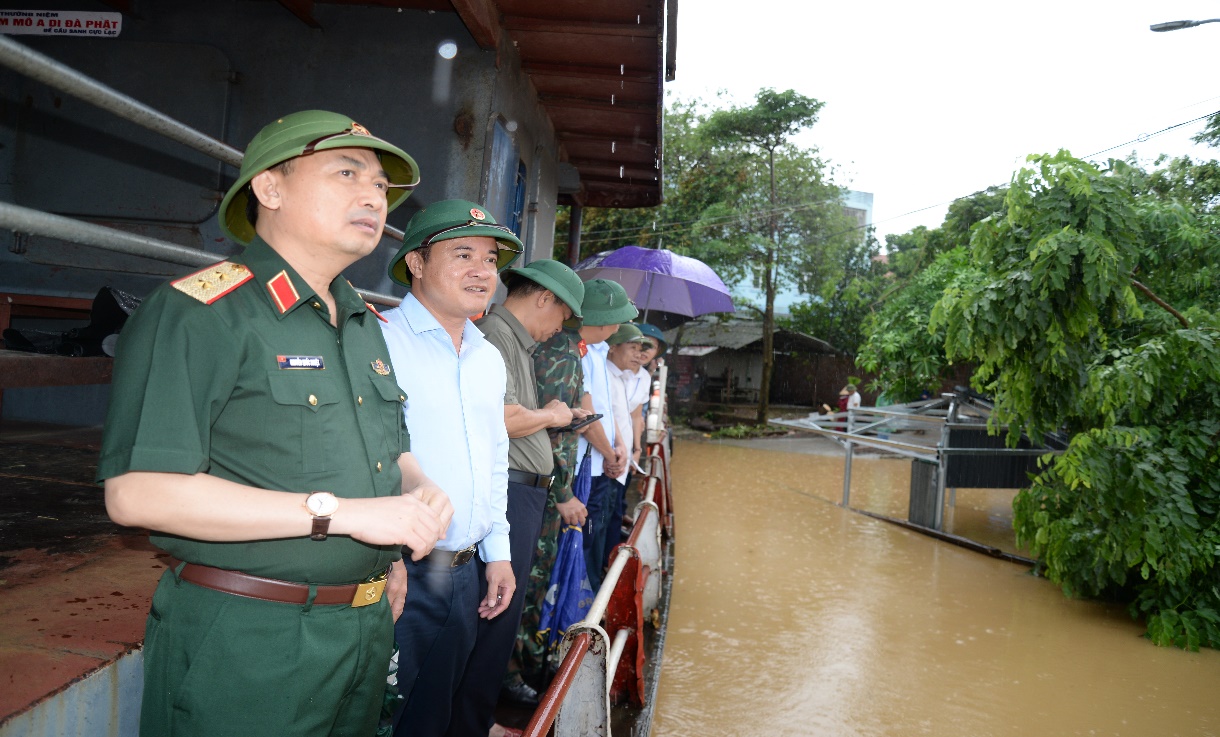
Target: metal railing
[52, 73]
[598, 669]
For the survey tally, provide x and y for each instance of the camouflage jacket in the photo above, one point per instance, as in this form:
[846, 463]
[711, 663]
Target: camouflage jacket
[557, 369]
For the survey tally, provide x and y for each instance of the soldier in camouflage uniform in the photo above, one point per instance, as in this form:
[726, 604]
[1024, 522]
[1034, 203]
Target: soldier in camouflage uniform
[558, 370]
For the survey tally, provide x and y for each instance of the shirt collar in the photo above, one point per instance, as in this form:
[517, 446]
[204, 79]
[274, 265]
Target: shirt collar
[285, 289]
[523, 336]
[421, 321]
[615, 370]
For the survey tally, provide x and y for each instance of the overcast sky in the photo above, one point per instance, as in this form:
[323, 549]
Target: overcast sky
[930, 101]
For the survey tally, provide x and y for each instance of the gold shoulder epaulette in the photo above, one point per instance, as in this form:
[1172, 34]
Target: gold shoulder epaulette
[214, 282]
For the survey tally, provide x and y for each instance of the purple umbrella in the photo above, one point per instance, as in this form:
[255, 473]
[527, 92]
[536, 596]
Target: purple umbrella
[657, 279]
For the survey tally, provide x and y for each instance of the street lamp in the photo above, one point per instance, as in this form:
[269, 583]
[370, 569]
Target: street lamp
[1177, 25]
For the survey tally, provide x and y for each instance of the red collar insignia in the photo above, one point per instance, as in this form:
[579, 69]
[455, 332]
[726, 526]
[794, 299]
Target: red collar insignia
[582, 347]
[283, 291]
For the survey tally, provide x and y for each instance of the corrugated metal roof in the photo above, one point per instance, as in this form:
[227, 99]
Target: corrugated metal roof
[738, 334]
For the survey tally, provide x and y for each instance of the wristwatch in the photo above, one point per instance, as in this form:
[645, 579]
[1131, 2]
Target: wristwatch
[321, 504]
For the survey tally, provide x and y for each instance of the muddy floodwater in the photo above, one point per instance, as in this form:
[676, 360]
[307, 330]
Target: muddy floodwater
[793, 616]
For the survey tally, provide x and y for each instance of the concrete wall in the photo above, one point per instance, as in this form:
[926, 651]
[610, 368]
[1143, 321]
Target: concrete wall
[104, 704]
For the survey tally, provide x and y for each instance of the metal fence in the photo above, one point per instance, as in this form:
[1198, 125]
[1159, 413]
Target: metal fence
[605, 654]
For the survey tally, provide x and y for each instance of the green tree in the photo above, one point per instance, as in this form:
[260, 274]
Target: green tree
[898, 347]
[1092, 315]
[837, 309]
[694, 187]
[901, 350]
[782, 206]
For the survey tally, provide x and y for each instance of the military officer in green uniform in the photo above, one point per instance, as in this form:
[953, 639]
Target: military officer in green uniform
[256, 428]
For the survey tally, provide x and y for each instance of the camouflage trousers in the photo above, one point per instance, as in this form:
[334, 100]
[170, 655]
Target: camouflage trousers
[529, 655]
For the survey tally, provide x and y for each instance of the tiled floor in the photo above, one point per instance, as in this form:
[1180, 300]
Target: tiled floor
[74, 587]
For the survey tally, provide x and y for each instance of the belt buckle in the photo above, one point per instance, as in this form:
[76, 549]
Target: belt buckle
[462, 557]
[370, 592]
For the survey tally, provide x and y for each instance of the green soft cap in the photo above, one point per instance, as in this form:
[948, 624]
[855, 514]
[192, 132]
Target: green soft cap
[562, 281]
[606, 303]
[287, 139]
[628, 332]
[448, 219]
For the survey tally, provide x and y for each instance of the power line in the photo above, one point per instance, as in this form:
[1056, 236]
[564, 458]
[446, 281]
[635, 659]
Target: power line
[675, 226]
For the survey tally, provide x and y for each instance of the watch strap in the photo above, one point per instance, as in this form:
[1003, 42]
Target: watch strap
[321, 525]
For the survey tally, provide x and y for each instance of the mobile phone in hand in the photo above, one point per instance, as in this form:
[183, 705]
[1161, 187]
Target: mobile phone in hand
[577, 424]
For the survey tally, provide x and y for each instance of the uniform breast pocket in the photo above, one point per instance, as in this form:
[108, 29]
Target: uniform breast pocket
[391, 411]
[308, 416]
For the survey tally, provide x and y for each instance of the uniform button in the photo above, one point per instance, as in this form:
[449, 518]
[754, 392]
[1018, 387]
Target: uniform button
[317, 305]
[359, 400]
[378, 466]
[313, 401]
[401, 398]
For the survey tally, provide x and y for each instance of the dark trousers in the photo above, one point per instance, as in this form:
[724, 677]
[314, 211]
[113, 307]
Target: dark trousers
[474, 702]
[614, 528]
[435, 635]
[601, 499]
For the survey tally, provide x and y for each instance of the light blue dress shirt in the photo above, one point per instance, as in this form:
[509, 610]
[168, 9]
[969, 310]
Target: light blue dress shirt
[455, 413]
[597, 385]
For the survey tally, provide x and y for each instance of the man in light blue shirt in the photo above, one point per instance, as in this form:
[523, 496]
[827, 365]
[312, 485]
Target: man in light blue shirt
[609, 451]
[455, 383]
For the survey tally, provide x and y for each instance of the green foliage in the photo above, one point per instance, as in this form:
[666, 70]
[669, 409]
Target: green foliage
[902, 351]
[1066, 337]
[768, 124]
[1211, 132]
[737, 432]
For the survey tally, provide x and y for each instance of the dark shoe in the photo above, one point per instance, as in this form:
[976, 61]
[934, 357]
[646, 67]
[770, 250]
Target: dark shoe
[519, 692]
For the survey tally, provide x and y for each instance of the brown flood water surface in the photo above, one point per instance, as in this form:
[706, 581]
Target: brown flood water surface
[792, 616]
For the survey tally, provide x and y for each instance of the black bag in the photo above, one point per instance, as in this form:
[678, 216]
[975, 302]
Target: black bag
[110, 310]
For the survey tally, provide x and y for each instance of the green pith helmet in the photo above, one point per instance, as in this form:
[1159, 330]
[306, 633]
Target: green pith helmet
[606, 303]
[562, 281]
[288, 138]
[627, 333]
[654, 333]
[448, 219]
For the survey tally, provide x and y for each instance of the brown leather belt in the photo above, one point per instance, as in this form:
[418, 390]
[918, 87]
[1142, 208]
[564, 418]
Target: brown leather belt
[535, 480]
[283, 592]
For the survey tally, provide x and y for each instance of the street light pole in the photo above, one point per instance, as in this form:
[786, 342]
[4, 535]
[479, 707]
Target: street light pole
[1177, 25]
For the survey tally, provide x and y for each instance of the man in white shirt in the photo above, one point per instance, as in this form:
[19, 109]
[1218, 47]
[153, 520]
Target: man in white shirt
[454, 381]
[853, 396]
[628, 394]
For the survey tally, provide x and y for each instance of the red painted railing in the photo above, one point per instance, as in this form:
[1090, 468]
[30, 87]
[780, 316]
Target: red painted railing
[595, 672]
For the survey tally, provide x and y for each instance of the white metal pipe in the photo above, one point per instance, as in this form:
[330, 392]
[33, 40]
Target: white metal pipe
[616, 652]
[598, 609]
[36, 222]
[55, 74]
[24, 60]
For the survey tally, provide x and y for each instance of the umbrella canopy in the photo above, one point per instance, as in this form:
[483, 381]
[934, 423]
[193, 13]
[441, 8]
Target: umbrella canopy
[658, 279]
[569, 595]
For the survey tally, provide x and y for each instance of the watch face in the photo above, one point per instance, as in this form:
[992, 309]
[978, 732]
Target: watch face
[322, 504]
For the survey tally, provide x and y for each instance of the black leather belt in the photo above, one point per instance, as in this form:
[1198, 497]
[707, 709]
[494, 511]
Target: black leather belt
[451, 558]
[536, 480]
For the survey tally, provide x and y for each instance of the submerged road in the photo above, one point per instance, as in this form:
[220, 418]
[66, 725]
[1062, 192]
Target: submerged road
[793, 616]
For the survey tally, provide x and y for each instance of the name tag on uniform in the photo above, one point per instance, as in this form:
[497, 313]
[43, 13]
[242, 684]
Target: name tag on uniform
[300, 362]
